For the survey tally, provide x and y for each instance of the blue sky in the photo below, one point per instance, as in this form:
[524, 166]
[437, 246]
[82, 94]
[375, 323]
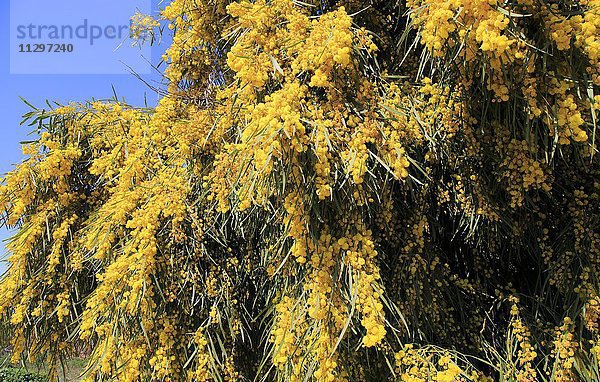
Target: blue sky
[63, 88]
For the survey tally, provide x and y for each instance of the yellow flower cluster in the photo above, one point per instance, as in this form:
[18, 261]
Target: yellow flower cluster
[569, 119]
[360, 254]
[526, 354]
[196, 32]
[142, 26]
[477, 25]
[489, 33]
[284, 336]
[588, 37]
[328, 45]
[415, 364]
[564, 352]
[482, 34]
[522, 172]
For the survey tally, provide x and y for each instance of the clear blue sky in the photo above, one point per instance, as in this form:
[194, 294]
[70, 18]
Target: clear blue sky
[61, 88]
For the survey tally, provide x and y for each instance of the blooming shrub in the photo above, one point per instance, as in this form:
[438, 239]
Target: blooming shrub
[328, 191]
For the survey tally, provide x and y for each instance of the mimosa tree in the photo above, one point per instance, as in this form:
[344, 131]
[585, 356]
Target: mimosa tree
[328, 191]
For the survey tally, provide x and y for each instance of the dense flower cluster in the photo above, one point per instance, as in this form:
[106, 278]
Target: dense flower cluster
[142, 27]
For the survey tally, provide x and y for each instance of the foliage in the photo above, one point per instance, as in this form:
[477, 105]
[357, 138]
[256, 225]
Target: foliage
[17, 375]
[328, 191]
